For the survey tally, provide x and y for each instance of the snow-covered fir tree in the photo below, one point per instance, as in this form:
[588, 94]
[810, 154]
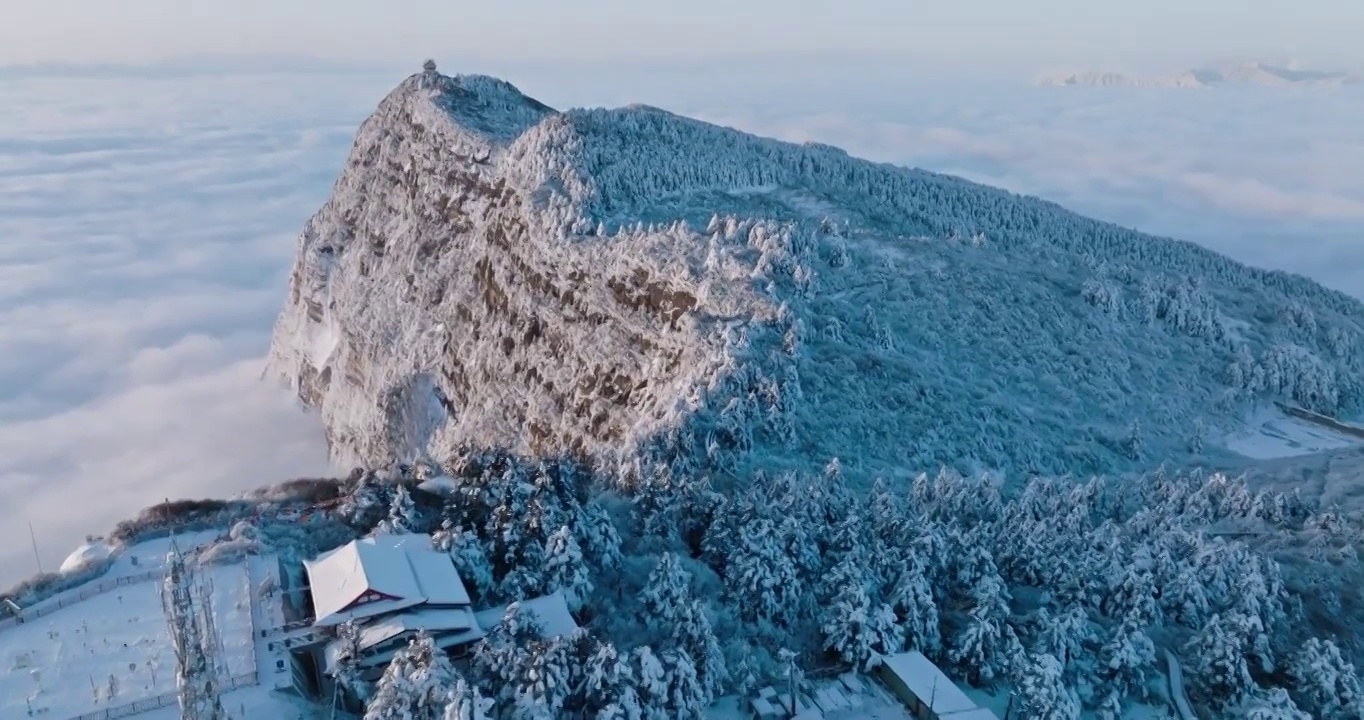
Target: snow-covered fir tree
[608, 679]
[686, 695]
[402, 515]
[465, 702]
[363, 501]
[500, 657]
[469, 555]
[542, 678]
[1125, 660]
[598, 536]
[761, 574]
[1043, 692]
[1325, 683]
[986, 646]
[347, 673]
[859, 630]
[1218, 661]
[415, 685]
[652, 683]
[1065, 635]
[693, 633]
[565, 570]
[1273, 704]
[667, 592]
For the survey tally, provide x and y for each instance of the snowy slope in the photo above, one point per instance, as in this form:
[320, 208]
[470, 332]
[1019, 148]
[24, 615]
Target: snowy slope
[626, 283]
[1270, 434]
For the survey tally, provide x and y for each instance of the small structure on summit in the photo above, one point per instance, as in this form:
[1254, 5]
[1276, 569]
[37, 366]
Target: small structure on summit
[429, 66]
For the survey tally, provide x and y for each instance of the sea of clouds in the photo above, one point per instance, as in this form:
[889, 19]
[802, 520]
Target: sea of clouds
[146, 232]
[147, 225]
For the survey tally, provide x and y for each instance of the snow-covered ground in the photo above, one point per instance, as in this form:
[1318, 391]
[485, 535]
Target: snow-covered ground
[998, 703]
[874, 702]
[135, 559]
[61, 665]
[149, 554]
[1271, 434]
[254, 703]
[264, 700]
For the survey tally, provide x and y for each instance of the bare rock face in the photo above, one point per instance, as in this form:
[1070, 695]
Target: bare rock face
[625, 285]
[439, 300]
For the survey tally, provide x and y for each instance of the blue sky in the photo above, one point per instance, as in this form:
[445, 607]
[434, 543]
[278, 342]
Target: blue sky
[1038, 34]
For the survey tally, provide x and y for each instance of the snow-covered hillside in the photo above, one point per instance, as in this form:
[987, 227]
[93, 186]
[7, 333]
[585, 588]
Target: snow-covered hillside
[629, 283]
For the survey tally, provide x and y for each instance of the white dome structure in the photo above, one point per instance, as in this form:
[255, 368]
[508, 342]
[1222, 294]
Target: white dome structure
[90, 552]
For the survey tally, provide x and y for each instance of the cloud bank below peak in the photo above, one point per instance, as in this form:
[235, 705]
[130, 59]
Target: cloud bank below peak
[146, 231]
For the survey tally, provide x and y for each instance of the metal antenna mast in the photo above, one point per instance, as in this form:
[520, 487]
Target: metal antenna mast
[185, 599]
[34, 538]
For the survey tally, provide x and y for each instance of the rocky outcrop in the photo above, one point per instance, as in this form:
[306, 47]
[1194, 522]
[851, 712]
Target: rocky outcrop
[438, 297]
[630, 284]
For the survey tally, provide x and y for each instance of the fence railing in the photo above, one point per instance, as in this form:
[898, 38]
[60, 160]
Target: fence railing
[286, 629]
[86, 592]
[165, 700]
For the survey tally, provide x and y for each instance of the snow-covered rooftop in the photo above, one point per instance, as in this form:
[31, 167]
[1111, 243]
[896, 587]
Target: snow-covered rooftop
[432, 620]
[972, 714]
[439, 485]
[931, 686]
[436, 576]
[456, 625]
[395, 572]
[551, 611]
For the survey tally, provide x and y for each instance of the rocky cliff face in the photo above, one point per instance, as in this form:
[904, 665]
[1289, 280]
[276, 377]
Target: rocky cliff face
[439, 299]
[619, 284]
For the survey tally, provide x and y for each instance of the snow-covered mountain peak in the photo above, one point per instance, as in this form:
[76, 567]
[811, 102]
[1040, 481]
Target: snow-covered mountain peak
[628, 283]
[470, 107]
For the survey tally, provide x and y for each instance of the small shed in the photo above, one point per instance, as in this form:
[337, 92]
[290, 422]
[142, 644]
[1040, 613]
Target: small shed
[926, 690]
[551, 613]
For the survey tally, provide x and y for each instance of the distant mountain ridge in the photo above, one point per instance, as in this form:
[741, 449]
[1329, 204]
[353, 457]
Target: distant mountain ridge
[1258, 73]
[630, 285]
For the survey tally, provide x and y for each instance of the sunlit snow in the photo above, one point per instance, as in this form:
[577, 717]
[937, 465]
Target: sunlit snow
[61, 665]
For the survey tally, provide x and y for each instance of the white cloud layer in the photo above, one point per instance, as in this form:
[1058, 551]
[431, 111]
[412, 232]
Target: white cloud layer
[147, 227]
[146, 230]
